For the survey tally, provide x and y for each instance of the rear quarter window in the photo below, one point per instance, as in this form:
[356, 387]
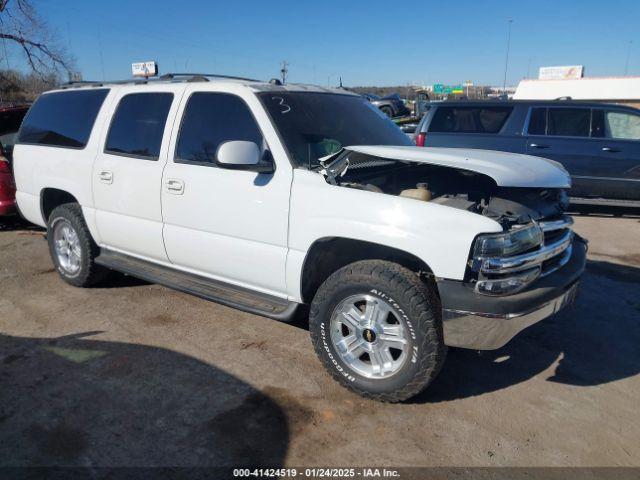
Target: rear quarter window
[469, 119]
[62, 119]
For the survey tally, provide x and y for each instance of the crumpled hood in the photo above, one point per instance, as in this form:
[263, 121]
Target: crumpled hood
[507, 169]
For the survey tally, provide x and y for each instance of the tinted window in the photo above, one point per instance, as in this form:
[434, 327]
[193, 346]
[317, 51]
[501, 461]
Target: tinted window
[63, 119]
[314, 125]
[138, 124]
[597, 123]
[538, 121]
[622, 125]
[569, 122]
[211, 119]
[469, 119]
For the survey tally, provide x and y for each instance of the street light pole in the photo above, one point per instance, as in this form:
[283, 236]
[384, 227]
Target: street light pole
[626, 63]
[506, 61]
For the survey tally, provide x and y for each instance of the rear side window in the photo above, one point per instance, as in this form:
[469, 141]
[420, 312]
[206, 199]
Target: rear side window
[622, 125]
[211, 119]
[62, 119]
[538, 121]
[138, 125]
[569, 122]
[469, 119]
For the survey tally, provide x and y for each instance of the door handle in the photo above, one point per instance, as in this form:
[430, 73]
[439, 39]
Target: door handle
[538, 145]
[106, 176]
[174, 186]
[610, 149]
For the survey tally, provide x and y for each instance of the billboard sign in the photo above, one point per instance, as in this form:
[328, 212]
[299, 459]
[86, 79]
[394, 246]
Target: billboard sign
[561, 73]
[144, 69]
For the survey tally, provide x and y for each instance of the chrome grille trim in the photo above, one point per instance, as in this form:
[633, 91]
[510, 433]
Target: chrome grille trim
[550, 225]
[501, 265]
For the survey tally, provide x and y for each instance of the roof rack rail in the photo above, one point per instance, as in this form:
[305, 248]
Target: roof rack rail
[98, 83]
[184, 77]
[203, 76]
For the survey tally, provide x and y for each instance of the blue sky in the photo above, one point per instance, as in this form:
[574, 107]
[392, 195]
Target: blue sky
[367, 43]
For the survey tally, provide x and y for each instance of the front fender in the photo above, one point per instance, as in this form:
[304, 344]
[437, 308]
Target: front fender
[440, 236]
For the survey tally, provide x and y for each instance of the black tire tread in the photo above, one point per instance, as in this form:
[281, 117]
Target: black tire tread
[423, 303]
[90, 272]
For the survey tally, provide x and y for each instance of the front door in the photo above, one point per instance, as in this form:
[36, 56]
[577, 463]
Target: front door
[227, 224]
[127, 172]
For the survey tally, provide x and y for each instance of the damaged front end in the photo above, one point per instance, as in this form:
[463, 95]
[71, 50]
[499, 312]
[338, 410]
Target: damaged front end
[536, 239]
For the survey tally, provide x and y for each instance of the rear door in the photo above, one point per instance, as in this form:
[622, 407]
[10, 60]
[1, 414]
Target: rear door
[620, 152]
[472, 127]
[127, 173]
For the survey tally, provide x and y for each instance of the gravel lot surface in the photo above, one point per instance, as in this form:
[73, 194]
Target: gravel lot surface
[130, 373]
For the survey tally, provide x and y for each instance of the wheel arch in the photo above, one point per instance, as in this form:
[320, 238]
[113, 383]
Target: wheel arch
[329, 254]
[50, 198]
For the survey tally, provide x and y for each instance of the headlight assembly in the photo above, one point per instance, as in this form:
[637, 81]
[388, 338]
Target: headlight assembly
[508, 243]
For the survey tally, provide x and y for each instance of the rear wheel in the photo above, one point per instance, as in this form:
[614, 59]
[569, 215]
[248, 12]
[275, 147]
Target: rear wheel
[374, 327]
[71, 247]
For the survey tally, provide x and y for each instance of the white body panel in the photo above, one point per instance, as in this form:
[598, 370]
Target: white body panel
[507, 169]
[441, 236]
[128, 212]
[230, 223]
[251, 229]
[37, 167]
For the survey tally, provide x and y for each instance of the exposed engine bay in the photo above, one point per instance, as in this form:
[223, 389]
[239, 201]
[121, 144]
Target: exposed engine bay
[457, 188]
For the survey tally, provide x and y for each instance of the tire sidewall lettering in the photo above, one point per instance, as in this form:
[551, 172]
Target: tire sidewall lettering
[334, 361]
[405, 317]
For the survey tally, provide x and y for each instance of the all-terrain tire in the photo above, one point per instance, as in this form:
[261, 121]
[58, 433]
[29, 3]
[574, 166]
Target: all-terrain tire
[418, 306]
[88, 273]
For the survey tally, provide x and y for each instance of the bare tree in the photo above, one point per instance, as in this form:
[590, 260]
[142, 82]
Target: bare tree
[20, 24]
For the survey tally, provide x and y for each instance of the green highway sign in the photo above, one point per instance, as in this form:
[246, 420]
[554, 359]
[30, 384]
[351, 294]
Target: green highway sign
[447, 89]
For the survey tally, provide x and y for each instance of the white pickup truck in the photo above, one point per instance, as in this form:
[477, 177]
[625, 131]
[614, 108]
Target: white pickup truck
[265, 197]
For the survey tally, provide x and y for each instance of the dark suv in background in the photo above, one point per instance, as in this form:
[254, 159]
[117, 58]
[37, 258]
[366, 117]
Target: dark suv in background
[598, 144]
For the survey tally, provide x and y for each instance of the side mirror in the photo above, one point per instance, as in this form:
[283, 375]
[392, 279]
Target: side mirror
[243, 155]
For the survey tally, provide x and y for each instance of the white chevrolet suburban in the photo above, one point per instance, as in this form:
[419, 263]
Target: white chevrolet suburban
[265, 197]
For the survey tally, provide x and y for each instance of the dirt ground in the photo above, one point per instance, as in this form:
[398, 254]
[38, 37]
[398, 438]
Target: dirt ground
[130, 373]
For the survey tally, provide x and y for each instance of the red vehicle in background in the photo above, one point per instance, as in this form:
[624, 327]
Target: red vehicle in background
[10, 120]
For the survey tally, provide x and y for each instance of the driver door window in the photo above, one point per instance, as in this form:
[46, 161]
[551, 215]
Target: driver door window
[211, 119]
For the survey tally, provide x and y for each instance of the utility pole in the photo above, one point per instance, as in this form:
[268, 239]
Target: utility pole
[284, 70]
[626, 63]
[506, 62]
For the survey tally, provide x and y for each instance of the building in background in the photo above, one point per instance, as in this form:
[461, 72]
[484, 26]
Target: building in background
[622, 90]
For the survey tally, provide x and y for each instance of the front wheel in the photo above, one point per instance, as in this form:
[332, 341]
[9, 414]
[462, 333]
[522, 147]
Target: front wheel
[374, 326]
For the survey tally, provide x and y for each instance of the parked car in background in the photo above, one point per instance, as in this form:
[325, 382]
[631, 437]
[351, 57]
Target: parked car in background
[598, 144]
[10, 120]
[392, 105]
[267, 197]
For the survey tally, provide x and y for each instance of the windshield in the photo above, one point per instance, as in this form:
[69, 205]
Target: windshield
[314, 125]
